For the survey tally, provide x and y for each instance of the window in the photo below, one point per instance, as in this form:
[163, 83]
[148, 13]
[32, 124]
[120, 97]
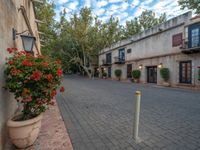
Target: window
[177, 39]
[194, 35]
[122, 54]
[185, 72]
[108, 58]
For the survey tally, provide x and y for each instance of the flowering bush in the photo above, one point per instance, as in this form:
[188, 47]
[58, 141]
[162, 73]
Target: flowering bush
[33, 80]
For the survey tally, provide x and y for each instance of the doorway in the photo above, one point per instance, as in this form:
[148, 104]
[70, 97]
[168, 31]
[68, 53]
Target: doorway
[185, 72]
[109, 72]
[152, 74]
[129, 70]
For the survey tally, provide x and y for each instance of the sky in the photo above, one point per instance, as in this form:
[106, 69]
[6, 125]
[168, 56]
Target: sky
[124, 10]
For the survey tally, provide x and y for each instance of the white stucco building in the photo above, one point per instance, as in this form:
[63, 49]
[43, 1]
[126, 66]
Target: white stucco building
[19, 16]
[174, 44]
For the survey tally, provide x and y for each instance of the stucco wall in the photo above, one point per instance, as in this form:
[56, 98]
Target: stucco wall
[10, 18]
[153, 47]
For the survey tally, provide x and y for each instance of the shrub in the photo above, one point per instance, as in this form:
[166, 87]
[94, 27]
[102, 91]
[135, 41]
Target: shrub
[104, 74]
[164, 72]
[33, 80]
[136, 74]
[118, 73]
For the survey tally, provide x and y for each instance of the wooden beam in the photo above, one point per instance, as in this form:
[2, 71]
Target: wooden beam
[38, 1]
[41, 33]
[39, 21]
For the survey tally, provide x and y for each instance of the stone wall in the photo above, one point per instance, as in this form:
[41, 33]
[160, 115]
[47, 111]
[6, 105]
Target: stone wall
[12, 17]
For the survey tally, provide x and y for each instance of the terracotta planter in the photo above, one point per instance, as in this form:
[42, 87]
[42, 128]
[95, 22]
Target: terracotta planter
[24, 133]
[166, 83]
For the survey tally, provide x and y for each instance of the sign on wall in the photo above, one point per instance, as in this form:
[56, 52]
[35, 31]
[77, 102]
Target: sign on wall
[177, 39]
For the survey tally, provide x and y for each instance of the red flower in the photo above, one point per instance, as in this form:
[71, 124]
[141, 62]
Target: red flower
[36, 75]
[27, 62]
[59, 72]
[58, 61]
[62, 89]
[11, 62]
[27, 99]
[14, 72]
[53, 93]
[44, 64]
[40, 56]
[49, 77]
[10, 50]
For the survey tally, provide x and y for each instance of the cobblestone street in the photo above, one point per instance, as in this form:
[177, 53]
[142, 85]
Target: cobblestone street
[98, 115]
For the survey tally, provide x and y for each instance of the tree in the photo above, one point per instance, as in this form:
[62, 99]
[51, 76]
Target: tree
[45, 13]
[148, 19]
[132, 27]
[190, 4]
[80, 39]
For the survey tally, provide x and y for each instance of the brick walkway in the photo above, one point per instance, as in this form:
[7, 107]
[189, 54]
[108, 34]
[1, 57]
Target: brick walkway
[99, 116]
[53, 134]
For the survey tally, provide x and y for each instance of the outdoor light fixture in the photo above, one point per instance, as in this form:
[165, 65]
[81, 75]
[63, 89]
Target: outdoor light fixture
[160, 65]
[104, 69]
[27, 40]
[140, 66]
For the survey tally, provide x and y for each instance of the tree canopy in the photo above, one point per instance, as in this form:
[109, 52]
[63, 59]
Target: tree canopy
[78, 40]
[190, 4]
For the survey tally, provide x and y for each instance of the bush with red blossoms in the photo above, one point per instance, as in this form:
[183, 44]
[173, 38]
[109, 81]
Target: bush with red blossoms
[33, 80]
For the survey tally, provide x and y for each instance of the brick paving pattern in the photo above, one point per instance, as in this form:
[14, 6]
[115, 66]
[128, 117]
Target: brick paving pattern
[99, 116]
[53, 134]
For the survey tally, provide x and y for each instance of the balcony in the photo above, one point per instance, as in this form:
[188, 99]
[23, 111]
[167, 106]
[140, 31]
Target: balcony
[118, 60]
[106, 62]
[188, 48]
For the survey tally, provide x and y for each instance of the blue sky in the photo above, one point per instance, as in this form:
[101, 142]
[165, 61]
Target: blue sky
[122, 9]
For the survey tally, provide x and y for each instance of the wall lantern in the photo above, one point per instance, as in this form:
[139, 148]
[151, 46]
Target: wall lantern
[140, 66]
[27, 40]
[160, 65]
[104, 69]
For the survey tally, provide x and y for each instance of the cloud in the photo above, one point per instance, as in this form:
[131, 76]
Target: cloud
[87, 3]
[123, 9]
[135, 3]
[114, 1]
[62, 1]
[124, 5]
[99, 12]
[73, 5]
[102, 3]
[147, 2]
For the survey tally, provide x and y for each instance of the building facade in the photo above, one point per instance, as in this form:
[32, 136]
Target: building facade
[174, 44]
[19, 16]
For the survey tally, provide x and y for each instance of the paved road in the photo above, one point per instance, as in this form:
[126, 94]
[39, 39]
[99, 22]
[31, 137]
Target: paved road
[99, 116]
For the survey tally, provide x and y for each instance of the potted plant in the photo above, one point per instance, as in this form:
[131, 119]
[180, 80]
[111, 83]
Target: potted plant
[136, 75]
[164, 72]
[104, 74]
[33, 81]
[118, 73]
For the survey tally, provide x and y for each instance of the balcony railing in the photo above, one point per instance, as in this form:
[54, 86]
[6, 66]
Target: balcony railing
[188, 49]
[106, 62]
[118, 60]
